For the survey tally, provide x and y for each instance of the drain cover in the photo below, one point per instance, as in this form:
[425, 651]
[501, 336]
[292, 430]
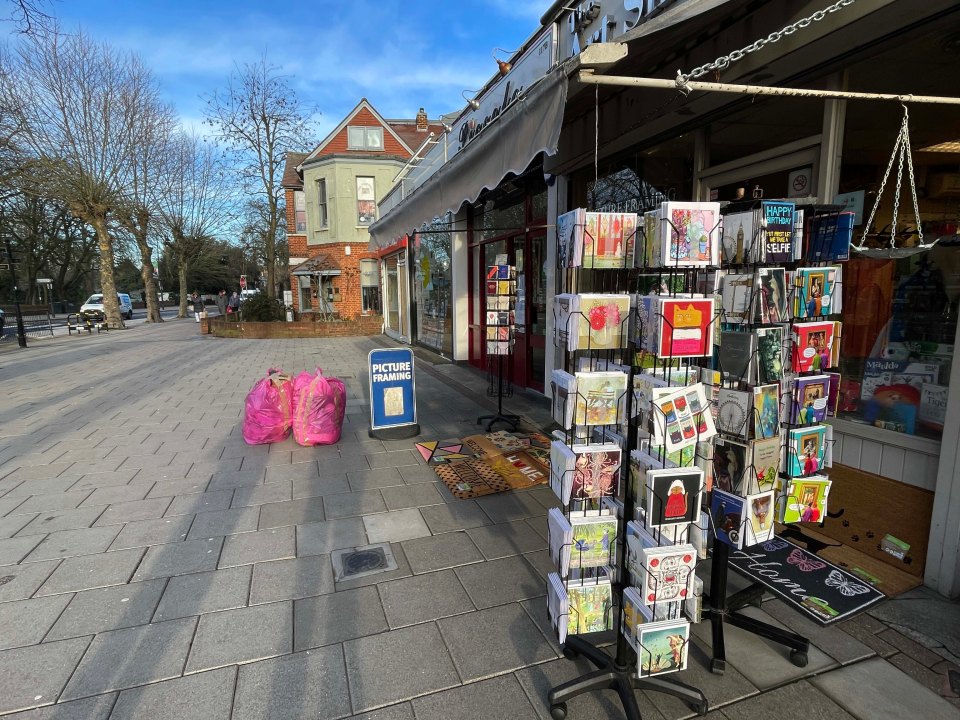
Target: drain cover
[352, 563]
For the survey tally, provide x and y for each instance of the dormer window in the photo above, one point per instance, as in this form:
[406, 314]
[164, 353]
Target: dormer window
[365, 138]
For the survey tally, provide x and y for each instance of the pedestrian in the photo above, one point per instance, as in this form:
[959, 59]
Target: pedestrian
[234, 305]
[222, 302]
[197, 305]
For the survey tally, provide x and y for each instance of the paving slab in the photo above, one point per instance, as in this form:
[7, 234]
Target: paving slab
[199, 502]
[301, 470]
[112, 608]
[33, 676]
[206, 469]
[499, 698]
[14, 488]
[325, 537]
[420, 598]
[402, 570]
[260, 494]
[52, 501]
[494, 641]
[506, 539]
[180, 558]
[218, 523]
[318, 487]
[538, 680]
[18, 582]
[310, 684]
[832, 640]
[169, 488]
[55, 520]
[916, 613]
[231, 480]
[117, 494]
[393, 459]
[26, 622]
[259, 546]
[354, 503]
[93, 708]
[440, 552]
[291, 579]
[317, 452]
[12, 524]
[378, 666]
[291, 512]
[70, 543]
[136, 510]
[150, 460]
[409, 496]
[153, 532]
[764, 663]
[242, 635]
[339, 616]
[87, 572]
[505, 507]
[911, 648]
[496, 582]
[88, 482]
[204, 696]
[38, 472]
[348, 462]
[400, 711]
[395, 526]
[373, 479]
[414, 474]
[458, 515]
[126, 658]
[204, 592]
[877, 690]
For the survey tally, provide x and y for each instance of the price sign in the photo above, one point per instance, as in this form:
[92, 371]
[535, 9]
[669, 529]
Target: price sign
[243, 282]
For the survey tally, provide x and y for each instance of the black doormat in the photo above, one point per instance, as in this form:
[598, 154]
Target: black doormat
[819, 589]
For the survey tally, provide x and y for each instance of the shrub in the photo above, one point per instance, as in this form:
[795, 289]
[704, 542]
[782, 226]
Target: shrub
[260, 308]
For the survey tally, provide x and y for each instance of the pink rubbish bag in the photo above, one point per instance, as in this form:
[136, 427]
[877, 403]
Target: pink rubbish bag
[269, 409]
[319, 404]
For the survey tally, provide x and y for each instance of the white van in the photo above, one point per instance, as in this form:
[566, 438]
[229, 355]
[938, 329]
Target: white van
[95, 302]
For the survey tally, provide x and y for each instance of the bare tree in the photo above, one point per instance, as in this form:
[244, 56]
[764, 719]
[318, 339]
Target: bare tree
[76, 100]
[260, 118]
[195, 202]
[28, 16]
[155, 124]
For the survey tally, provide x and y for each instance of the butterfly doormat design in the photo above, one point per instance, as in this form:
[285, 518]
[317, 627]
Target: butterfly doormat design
[491, 463]
[819, 589]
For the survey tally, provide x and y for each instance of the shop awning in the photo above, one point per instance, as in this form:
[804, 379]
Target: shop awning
[317, 265]
[530, 126]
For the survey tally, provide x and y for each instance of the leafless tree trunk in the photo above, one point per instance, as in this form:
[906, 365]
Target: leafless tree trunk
[260, 118]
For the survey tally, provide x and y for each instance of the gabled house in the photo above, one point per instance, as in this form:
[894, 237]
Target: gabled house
[332, 195]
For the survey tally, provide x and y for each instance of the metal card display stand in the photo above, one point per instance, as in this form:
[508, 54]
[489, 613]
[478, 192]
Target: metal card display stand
[499, 386]
[620, 672]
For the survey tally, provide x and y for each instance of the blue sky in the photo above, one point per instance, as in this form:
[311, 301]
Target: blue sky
[399, 55]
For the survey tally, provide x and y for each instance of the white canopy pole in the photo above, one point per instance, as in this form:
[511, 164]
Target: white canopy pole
[588, 77]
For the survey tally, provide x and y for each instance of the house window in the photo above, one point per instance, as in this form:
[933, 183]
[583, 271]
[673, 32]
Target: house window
[322, 216]
[306, 301]
[370, 285]
[366, 201]
[364, 138]
[300, 210]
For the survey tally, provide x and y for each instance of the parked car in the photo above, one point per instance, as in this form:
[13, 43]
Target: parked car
[95, 302]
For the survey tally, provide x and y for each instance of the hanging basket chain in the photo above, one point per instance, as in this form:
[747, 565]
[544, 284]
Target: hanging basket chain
[725, 61]
[901, 153]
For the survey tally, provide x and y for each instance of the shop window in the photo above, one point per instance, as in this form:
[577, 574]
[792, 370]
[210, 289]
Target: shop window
[370, 286]
[322, 217]
[300, 210]
[364, 138]
[366, 200]
[433, 277]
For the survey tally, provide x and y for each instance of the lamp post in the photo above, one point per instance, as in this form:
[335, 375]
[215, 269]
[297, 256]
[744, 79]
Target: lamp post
[21, 330]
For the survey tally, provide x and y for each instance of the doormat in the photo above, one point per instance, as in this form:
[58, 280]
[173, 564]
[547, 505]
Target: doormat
[471, 478]
[817, 588]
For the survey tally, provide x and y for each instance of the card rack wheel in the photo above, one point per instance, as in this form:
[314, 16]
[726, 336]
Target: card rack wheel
[558, 712]
[799, 658]
[569, 653]
[701, 708]
[717, 666]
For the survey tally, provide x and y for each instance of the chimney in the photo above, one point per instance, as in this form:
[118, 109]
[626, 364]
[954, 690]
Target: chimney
[422, 124]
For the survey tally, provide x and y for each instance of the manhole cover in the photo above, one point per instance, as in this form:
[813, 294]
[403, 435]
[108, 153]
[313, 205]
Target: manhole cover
[352, 563]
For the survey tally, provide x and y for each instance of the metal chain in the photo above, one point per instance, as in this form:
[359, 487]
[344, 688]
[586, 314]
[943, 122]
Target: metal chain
[901, 153]
[725, 61]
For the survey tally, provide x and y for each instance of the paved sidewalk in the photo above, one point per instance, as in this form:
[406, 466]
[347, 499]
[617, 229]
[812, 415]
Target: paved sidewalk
[154, 566]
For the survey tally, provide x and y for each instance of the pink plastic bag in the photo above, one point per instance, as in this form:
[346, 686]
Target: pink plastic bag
[268, 412]
[319, 404]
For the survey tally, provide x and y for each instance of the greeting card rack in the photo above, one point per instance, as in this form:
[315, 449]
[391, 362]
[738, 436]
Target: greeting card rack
[500, 338]
[755, 368]
[592, 330]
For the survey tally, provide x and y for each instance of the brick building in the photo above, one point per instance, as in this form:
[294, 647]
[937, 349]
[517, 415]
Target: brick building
[331, 197]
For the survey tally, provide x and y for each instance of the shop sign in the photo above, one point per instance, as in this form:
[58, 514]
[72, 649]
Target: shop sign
[393, 399]
[595, 21]
[800, 182]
